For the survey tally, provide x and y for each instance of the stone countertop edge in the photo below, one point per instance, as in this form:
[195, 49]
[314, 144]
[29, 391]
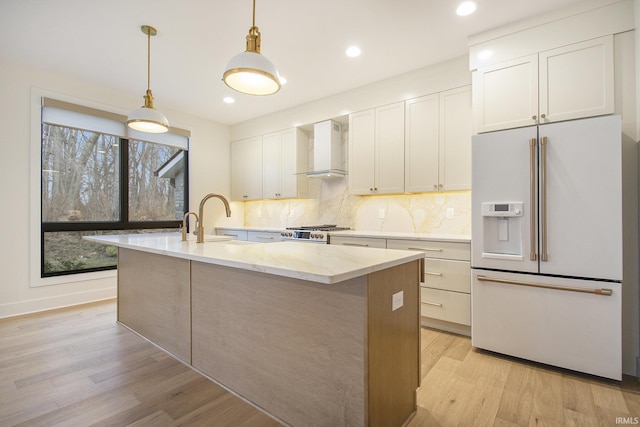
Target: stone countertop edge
[327, 264]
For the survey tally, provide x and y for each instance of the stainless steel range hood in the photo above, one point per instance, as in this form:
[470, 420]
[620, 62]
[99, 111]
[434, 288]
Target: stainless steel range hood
[327, 151]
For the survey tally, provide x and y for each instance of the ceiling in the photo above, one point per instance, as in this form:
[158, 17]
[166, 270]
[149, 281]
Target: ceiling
[101, 42]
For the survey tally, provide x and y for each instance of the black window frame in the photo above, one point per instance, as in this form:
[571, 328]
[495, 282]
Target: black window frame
[122, 224]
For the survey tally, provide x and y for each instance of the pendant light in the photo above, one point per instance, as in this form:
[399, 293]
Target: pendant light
[147, 118]
[249, 72]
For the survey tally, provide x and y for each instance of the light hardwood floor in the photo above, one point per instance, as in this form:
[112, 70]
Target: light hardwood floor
[78, 367]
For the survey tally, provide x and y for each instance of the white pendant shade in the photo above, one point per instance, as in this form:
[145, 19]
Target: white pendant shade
[146, 119]
[252, 73]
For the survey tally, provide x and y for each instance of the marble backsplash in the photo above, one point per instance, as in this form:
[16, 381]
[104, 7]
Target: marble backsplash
[329, 202]
[332, 204]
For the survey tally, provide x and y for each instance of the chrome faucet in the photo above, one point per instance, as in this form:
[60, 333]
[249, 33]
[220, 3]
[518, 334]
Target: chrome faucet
[184, 224]
[201, 213]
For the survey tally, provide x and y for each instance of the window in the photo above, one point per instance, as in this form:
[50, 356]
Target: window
[97, 181]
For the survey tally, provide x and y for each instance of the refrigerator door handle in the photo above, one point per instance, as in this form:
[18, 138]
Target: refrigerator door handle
[532, 198]
[604, 291]
[544, 256]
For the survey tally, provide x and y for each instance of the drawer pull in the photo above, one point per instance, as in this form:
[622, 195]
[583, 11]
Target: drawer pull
[232, 235]
[431, 273]
[426, 249]
[265, 238]
[435, 304]
[355, 244]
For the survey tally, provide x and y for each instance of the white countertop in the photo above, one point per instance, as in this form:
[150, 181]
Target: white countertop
[305, 261]
[406, 236]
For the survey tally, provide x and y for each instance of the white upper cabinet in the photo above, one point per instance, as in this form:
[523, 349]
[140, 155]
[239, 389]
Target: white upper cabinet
[438, 141]
[362, 152]
[270, 166]
[285, 162]
[577, 81]
[570, 82]
[246, 169]
[389, 163]
[376, 150]
[505, 95]
[456, 121]
[422, 134]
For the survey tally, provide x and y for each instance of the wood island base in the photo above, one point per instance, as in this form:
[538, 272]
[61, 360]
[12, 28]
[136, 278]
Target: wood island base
[307, 353]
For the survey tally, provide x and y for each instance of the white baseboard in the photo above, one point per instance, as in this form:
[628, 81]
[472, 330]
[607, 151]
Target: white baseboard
[58, 301]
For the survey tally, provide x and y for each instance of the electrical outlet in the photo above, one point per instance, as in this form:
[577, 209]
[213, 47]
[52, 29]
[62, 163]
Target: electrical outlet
[292, 213]
[450, 213]
[381, 213]
[397, 300]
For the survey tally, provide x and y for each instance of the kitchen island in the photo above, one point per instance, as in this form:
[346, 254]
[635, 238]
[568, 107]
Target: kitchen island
[313, 335]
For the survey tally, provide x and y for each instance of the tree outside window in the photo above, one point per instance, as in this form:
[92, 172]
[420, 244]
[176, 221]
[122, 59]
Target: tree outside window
[93, 183]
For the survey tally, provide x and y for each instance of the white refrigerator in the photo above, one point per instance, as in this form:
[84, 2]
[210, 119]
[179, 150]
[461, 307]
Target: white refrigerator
[546, 248]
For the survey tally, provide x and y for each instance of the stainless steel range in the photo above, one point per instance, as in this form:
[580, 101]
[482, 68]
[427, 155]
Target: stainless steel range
[310, 233]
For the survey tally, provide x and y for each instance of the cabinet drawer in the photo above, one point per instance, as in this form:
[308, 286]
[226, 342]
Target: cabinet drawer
[371, 242]
[235, 234]
[447, 275]
[444, 305]
[434, 249]
[263, 236]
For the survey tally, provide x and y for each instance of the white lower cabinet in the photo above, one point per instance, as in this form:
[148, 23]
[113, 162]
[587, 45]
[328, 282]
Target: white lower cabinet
[445, 305]
[232, 232]
[264, 236]
[369, 242]
[250, 235]
[445, 294]
[445, 291]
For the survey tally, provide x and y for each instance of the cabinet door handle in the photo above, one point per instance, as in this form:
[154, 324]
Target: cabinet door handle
[431, 273]
[232, 235]
[355, 244]
[534, 117]
[543, 116]
[435, 304]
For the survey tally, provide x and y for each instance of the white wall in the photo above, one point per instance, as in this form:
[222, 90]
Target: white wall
[21, 290]
[446, 75]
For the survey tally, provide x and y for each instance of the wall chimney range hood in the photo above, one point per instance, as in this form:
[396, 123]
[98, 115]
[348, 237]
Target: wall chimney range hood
[327, 151]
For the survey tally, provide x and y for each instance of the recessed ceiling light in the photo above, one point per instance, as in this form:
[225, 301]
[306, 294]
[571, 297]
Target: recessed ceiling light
[283, 80]
[229, 100]
[466, 8]
[353, 51]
